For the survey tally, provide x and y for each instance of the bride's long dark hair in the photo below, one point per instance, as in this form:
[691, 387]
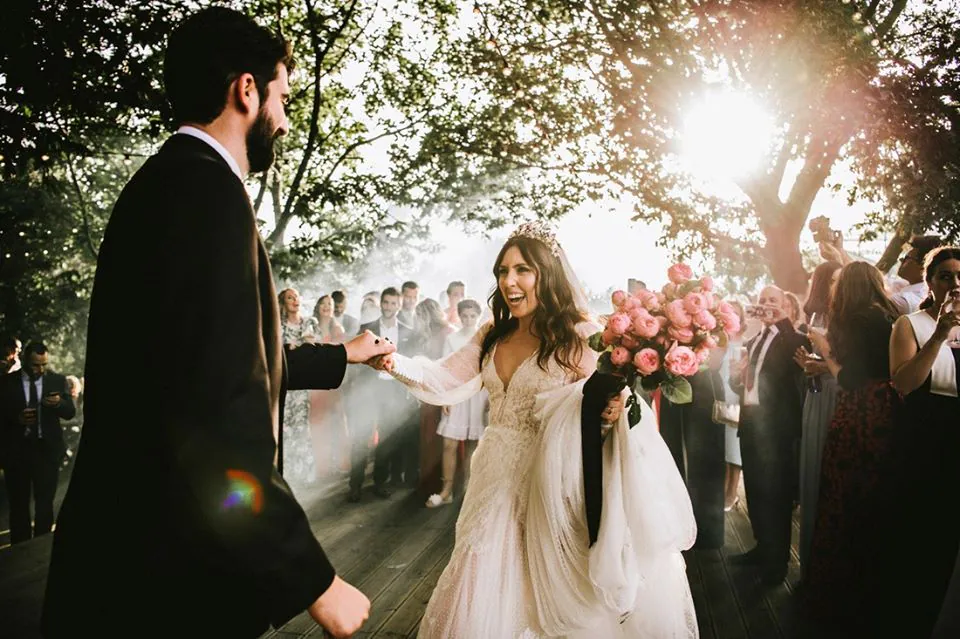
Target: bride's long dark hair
[556, 316]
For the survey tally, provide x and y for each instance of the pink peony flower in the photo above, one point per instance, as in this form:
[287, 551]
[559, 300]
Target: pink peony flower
[702, 353]
[663, 340]
[646, 326]
[609, 337]
[662, 320]
[628, 305]
[681, 334]
[681, 360]
[618, 323]
[661, 300]
[726, 307]
[619, 356]
[637, 312]
[669, 290]
[705, 320]
[706, 283]
[617, 298]
[712, 300]
[647, 361]
[693, 303]
[629, 341]
[731, 322]
[679, 273]
[677, 314]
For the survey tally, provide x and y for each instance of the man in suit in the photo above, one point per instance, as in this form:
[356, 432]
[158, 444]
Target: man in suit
[394, 413]
[32, 403]
[409, 298]
[770, 385]
[175, 507]
[350, 324]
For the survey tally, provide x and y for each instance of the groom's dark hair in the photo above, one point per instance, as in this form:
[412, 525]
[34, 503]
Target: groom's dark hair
[208, 51]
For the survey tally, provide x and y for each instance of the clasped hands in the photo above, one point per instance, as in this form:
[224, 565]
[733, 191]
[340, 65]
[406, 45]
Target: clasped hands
[367, 348]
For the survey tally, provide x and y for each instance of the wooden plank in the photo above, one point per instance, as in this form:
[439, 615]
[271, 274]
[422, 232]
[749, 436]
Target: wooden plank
[726, 615]
[407, 617]
[401, 587]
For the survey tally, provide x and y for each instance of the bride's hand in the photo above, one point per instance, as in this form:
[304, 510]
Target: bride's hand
[381, 363]
[611, 414]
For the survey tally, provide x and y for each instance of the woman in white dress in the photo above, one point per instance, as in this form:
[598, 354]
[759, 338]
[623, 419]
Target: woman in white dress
[466, 421]
[523, 565]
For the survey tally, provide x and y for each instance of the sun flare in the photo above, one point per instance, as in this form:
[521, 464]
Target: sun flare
[725, 136]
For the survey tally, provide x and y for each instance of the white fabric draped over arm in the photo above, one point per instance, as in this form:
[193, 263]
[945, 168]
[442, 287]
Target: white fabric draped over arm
[635, 568]
[447, 381]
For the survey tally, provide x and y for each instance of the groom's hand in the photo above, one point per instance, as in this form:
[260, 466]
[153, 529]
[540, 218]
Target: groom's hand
[341, 610]
[366, 346]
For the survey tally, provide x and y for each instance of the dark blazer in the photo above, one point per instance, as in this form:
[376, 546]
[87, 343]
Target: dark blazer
[780, 383]
[13, 401]
[175, 508]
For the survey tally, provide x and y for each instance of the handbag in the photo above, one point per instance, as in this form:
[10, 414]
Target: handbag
[724, 413]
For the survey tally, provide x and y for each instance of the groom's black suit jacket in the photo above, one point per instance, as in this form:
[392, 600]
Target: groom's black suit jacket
[176, 520]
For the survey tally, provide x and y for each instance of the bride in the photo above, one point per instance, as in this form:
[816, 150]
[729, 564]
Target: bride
[523, 565]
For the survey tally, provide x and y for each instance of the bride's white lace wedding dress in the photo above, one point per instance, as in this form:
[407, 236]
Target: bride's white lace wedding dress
[521, 566]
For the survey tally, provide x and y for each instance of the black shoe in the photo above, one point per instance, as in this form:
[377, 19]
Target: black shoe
[749, 558]
[382, 491]
[354, 495]
[773, 576]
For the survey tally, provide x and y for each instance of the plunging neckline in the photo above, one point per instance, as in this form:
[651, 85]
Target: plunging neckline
[496, 370]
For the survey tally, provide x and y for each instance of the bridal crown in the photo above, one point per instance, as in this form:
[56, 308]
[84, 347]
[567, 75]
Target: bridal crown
[539, 230]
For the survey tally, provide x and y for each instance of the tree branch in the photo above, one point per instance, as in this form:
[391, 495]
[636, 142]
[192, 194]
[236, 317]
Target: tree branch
[887, 25]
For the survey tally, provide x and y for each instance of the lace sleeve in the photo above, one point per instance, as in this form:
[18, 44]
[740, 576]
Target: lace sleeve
[447, 381]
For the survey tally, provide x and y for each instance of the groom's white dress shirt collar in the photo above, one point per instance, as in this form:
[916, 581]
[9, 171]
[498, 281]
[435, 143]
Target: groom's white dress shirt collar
[212, 141]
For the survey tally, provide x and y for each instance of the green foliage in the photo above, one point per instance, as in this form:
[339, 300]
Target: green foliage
[677, 390]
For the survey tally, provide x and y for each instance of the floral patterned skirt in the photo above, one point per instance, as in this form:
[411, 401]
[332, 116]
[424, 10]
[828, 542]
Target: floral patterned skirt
[849, 559]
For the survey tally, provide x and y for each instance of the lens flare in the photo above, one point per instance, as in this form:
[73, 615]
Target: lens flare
[243, 491]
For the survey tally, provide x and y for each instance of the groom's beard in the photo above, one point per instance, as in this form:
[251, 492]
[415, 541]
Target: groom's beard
[260, 140]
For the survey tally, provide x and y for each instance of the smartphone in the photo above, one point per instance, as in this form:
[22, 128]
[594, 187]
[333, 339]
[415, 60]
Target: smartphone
[758, 312]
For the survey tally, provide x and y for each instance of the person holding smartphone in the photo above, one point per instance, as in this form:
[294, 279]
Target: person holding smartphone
[32, 403]
[769, 382]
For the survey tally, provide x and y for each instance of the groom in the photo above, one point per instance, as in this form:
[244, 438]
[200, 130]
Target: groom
[175, 510]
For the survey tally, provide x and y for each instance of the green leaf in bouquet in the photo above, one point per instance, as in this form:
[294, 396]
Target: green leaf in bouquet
[723, 339]
[596, 342]
[604, 365]
[687, 287]
[677, 390]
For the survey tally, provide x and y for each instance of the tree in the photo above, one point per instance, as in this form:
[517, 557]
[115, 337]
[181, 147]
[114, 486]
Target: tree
[81, 105]
[589, 98]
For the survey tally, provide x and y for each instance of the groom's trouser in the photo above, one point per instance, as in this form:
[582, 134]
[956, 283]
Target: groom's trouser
[766, 444]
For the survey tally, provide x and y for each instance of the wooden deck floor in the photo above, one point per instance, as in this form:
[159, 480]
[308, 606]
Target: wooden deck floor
[394, 550]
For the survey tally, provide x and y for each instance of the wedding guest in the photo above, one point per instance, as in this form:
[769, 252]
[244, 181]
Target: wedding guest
[732, 353]
[769, 381]
[818, 405]
[370, 307]
[328, 423]
[32, 404]
[298, 465]
[847, 558]
[464, 422]
[697, 445]
[794, 309]
[908, 299]
[409, 298]
[456, 291]
[73, 426]
[350, 324]
[9, 355]
[433, 330]
[925, 364]
[393, 410]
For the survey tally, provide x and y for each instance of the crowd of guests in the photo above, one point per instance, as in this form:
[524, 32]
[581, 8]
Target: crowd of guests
[329, 433]
[843, 402]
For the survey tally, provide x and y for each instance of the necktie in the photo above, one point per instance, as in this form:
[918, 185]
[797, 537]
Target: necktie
[755, 357]
[35, 403]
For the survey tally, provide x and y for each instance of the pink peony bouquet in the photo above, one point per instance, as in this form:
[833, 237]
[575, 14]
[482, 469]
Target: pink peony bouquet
[659, 339]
